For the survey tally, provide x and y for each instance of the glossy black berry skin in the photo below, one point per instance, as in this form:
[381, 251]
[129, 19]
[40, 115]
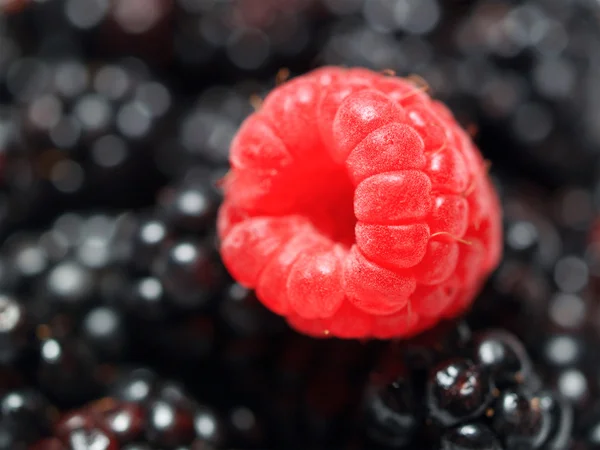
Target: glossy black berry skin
[146, 298]
[136, 386]
[457, 390]
[141, 411]
[89, 438]
[15, 330]
[489, 397]
[392, 412]
[190, 273]
[502, 356]
[191, 207]
[523, 419]
[25, 415]
[471, 436]
[68, 370]
[563, 420]
[169, 424]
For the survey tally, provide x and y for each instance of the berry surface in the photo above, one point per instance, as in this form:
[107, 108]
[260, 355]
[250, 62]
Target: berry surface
[357, 207]
[116, 123]
[487, 398]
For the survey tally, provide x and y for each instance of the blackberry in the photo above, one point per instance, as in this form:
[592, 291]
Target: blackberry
[142, 410]
[67, 27]
[482, 393]
[230, 37]
[550, 79]
[81, 135]
[171, 272]
[57, 323]
[104, 329]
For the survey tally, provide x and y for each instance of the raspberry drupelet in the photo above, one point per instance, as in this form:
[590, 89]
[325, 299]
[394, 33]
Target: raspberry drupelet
[357, 207]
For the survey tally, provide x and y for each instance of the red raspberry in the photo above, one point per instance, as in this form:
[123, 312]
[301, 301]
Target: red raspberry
[357, 207]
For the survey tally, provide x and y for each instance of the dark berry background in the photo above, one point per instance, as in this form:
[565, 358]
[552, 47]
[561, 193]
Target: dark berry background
[120, 327]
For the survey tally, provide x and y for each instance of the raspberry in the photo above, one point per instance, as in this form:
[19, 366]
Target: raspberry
[357, 207]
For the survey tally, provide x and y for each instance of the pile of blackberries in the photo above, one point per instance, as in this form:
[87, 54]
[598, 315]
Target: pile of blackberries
[120, 329]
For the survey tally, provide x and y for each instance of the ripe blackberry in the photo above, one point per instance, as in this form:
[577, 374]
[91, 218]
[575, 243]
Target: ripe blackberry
[535, 89]
[470, 397]
[81, 135]
[544, 290]
[56, 28]
[170, 272]
[141, 411]
[231, 37]
[58, 324]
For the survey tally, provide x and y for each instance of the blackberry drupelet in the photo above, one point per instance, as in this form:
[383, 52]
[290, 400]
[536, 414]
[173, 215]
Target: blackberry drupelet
[15, 331]
[25, 415]
[471, 436]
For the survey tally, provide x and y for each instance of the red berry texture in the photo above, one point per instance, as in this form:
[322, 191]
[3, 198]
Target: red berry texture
[357, 207]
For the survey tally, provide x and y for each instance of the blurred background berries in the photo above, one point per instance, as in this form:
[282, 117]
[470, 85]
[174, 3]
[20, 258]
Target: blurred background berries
[121, 329]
